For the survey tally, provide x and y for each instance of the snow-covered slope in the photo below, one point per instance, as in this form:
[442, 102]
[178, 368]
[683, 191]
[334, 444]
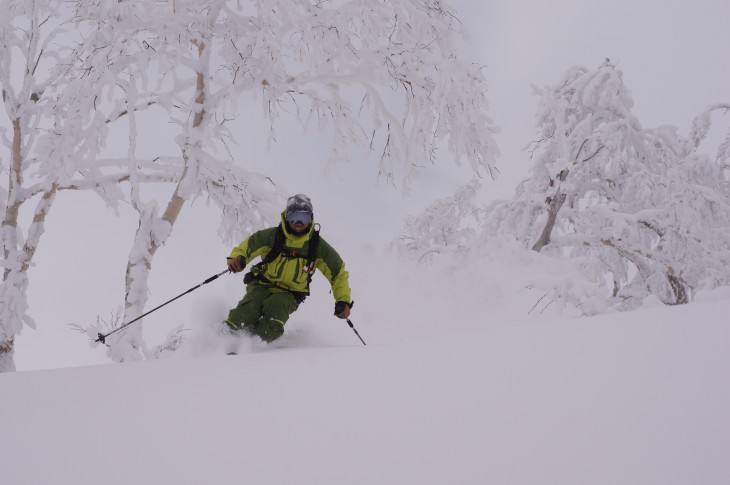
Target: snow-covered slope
[638, 398]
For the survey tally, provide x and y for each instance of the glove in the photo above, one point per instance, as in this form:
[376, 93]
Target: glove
[342, 309]
[236, 264]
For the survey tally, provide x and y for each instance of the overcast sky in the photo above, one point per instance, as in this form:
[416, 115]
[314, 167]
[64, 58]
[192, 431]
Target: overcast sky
[673, 55]
[675, 62]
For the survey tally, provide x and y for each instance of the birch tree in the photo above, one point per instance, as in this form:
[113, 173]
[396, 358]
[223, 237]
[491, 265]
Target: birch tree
[28, 31]
[381, 76]
[446, 226]
[631, 212]
[37, 162]
[644, 211]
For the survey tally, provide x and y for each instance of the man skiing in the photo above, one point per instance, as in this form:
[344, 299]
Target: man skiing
[276, 286]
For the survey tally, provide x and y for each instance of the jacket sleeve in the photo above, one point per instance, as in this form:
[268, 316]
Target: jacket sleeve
[333, 268]
[258, 244]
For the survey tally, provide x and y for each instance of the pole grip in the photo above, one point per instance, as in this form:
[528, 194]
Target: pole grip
[214, 277]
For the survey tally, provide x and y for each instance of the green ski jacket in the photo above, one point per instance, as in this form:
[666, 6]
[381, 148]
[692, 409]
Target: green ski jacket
[288, 271]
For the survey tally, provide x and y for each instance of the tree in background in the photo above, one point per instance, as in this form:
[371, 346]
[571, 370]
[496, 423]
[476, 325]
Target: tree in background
[152, 63]
[446, 226]
[34, 167]
[379, 76]
[51, 144]
[641, 212]
[39, 157]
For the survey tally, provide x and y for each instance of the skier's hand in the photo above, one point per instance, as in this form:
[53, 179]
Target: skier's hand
[342, 309]
[236, 264]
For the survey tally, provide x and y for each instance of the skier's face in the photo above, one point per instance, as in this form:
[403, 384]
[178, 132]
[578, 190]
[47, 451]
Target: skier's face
[298, 227]
[298, 221]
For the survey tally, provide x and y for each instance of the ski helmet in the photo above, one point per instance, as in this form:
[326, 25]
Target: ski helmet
[299, 202]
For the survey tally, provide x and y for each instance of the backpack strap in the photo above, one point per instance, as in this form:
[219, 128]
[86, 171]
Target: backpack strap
[312, 254]
[276, 248]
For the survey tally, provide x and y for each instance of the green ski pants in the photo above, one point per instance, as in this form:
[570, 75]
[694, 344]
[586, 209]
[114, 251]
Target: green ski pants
[262, 312]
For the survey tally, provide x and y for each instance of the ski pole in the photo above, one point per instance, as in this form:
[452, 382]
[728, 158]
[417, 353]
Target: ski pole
[102, 337]
[354, 330]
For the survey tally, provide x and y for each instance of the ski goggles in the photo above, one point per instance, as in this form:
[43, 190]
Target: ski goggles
[299, 217]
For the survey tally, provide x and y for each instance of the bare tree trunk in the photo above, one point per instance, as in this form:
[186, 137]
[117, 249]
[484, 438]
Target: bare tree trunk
[9, 233]
[15, 182]
[134, 278]
[175, 205]
[679, 289]
[36, 228]
[176, 202]
[554, 204]
[7, 364]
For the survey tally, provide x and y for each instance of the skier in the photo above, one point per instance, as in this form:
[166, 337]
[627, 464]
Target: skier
[277, 285]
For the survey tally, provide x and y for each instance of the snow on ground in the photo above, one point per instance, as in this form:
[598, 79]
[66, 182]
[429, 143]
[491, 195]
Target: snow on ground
[635, 398]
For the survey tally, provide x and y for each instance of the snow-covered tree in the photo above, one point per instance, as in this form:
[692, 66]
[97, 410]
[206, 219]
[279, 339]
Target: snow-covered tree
[45, 148]
[446, 226]
[641, 208]
[378, 75]
[33, 173]
[630, 212]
